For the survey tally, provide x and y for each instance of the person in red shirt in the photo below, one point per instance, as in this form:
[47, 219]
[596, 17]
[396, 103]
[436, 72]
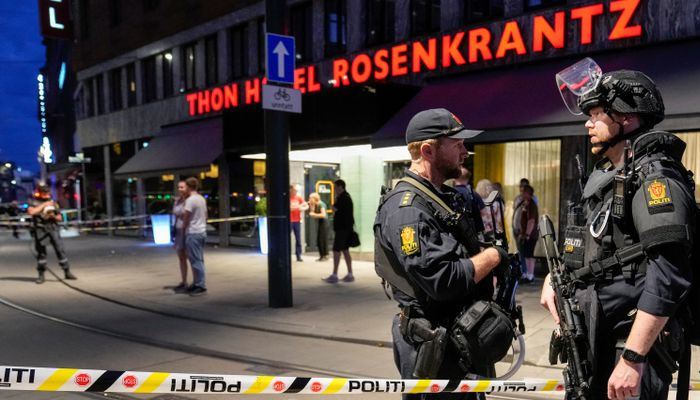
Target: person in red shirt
[296, 206]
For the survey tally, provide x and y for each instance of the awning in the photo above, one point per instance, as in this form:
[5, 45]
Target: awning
[179, 148]
[522, 103]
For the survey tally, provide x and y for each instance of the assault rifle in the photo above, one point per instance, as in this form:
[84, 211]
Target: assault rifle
[569, 343]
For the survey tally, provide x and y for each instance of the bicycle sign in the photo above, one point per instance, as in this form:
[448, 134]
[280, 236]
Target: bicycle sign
[281, 98]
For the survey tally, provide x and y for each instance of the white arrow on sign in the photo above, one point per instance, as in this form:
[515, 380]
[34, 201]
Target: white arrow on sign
[281, 52]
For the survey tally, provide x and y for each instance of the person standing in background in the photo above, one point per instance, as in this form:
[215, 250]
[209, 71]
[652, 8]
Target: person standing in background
[528, 232]
[179, 212]
[195, 227]
[296, 206]
[317, 211]
[343, 222]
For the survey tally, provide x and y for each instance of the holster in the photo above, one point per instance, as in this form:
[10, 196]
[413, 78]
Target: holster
[432, 343]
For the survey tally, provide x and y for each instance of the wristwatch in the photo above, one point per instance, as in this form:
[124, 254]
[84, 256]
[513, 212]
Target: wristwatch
[633, 356]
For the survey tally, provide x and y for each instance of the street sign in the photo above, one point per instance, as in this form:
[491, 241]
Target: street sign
[280, 98]
[280, 58]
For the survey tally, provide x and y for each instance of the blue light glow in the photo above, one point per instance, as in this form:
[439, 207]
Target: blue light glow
[161, 228]
[262, 234]
[62, 76]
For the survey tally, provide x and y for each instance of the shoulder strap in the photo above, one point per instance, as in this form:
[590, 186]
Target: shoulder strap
[425, 190]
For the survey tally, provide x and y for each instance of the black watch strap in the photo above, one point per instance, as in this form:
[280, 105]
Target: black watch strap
[633, 356]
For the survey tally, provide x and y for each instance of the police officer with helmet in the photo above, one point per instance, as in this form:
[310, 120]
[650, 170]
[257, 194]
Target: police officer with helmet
[628, 240]
[427, 252]
[45, 230]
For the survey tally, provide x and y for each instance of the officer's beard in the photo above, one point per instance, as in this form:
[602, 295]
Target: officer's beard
[447, 170]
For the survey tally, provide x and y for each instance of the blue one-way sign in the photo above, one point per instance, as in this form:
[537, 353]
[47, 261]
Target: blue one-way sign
[280, 58]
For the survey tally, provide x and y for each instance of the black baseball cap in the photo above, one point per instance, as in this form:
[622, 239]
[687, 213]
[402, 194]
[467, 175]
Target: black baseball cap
[435, 123]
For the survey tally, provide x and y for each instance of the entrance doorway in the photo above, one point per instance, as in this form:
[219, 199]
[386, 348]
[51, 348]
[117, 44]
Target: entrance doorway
[319, 178]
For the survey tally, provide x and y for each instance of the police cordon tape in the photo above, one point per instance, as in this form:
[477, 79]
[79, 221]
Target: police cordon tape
[89, 226]
[108, 381]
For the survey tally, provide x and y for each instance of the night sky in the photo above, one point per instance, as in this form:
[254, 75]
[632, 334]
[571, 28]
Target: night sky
[21, 56]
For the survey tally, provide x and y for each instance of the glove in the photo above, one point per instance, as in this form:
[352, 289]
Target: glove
[504, 264]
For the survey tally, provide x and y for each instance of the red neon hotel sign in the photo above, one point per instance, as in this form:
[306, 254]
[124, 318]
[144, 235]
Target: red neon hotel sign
[444, 51]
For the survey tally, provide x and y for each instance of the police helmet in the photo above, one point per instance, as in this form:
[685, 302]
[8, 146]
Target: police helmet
[626, 92]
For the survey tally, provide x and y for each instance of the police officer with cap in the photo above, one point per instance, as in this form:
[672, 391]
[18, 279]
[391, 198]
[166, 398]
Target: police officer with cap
[627, 242]
[433, 265]
[45, 230]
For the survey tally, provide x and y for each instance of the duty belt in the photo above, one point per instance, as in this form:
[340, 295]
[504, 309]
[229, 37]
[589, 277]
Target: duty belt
[624, 259]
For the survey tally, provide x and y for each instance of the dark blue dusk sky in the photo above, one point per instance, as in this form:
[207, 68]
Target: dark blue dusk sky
[21, 56]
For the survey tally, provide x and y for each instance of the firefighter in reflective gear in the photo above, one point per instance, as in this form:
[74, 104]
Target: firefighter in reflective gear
[628, 241]
[45, 230]
[440, 275]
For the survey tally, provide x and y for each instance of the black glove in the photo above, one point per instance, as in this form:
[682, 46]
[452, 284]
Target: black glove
[504, 263]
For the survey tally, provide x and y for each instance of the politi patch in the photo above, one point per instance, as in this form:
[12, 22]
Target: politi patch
[409, 245]
[658, 196]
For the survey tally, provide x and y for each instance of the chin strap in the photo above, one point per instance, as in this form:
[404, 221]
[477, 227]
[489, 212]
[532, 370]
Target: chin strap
[605, 146]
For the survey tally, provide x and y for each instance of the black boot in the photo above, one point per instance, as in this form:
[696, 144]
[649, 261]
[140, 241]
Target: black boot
[40, 279]
[69, 275]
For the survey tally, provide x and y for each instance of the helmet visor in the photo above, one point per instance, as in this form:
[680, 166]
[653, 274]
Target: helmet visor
[577, 80]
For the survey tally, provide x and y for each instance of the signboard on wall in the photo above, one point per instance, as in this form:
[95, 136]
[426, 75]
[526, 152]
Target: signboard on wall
[54, 18]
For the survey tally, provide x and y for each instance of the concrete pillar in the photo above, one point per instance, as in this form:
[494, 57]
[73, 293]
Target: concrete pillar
[124, 88]
[108, 187]
[106, 89]
[159, 77]
[402, 20]
[451, 14]
[318, 25]
[178, 79]
[200, 64]
[224, 200]
[223, 49]
[139, 82]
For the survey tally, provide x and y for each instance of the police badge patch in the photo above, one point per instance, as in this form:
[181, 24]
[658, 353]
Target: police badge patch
[658, 196]
[409, 245]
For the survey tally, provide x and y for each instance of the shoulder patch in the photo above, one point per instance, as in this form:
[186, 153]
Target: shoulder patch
[407, 199]
[409, 244]
[658, 196]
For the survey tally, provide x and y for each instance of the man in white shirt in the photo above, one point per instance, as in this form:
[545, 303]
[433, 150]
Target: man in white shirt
[195, 226]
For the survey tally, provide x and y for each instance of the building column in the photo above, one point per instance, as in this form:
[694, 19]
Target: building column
[159, 77]
[223, 56]
[140, 198]
[354, 26]
[178, 79]
[200, 67]
[224, 200]
[108, 187]
[319, 28]
[107, 90]
[402, 20]
[139, 82]
[451, 14]
[124, 88]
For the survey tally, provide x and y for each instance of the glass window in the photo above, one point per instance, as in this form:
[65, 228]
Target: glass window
[100, 93]
[530, 4]
[380, 21]
[211, 60]
[167, 73]
[115, 89]
[239, 50]
[481, 10]
[261, 44]
[131, 85]
[188, 66]
[335, 26]
[425, 17]
[148, 79]
[302, 31]
[115, 12]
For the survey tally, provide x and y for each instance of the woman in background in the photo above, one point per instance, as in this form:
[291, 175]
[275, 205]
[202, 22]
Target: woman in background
[178, 212]
[317, 211]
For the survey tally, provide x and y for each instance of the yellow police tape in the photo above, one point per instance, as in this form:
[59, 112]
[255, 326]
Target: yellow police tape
[108, 381]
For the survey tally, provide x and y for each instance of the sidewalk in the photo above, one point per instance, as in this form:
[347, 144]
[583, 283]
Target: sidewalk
[140, 273]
